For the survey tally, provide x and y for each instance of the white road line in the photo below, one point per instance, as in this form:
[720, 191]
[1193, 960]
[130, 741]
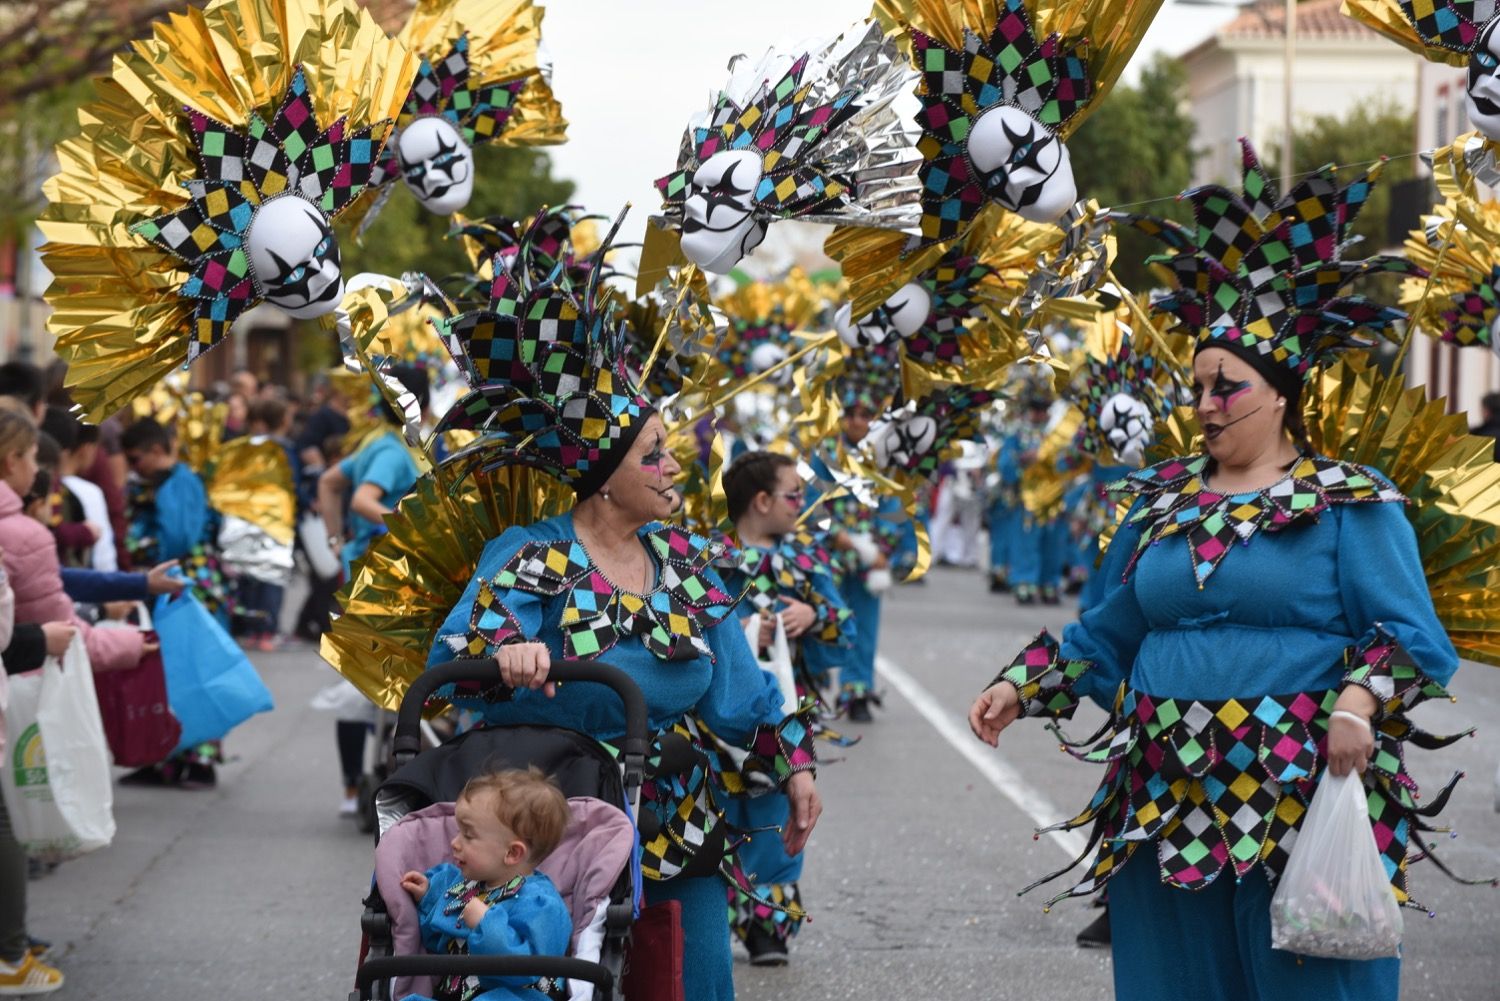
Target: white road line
[1000, 773]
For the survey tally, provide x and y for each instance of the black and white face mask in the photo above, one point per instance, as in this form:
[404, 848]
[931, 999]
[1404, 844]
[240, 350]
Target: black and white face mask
[1482, 98]
[1127, 425]
[295, 257]
[719, 226]
[903, 442]
[436, 164]
[904, 313]
[1022, 165]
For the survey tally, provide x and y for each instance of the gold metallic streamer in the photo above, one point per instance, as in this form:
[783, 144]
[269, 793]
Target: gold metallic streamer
[1360, 414]
[119, 320]
[253, 481]
[1386, 18]
[412, 577]
[1113, 29]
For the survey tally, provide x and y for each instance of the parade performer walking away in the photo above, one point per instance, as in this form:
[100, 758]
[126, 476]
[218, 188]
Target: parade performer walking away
[1294, 630]
[784, 575]
[490, 900]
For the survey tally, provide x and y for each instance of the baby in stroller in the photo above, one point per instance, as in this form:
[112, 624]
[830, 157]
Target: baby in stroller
[419, 811]
[491, 900]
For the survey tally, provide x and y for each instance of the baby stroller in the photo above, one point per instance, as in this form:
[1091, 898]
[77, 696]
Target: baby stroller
[595, 862]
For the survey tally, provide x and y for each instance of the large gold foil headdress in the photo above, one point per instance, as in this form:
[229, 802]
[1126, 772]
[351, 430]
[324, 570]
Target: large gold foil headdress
[244, 112]
[480, 80]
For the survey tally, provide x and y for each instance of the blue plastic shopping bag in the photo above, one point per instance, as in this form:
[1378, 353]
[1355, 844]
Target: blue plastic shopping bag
[211, 685]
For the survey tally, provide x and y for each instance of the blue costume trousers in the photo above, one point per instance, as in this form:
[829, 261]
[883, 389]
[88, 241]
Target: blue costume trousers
[1214, 944]
[1004, 523]
[1038, 554]
[859, 664]
[707, 963]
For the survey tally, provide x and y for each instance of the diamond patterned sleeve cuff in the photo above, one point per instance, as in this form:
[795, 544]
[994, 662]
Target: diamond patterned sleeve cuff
[1044, 681]
[1382, 667]
[785, 749]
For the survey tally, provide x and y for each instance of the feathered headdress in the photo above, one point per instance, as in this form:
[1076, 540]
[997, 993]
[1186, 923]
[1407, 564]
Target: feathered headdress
[234, 133]
[1263, 274]
[546, 367]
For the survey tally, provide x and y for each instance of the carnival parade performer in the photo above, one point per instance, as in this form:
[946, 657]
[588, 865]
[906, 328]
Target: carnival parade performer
[607, 579]
[784, 575]
[1300, 598]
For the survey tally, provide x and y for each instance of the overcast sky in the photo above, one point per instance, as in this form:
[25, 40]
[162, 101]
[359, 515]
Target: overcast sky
[630, 74]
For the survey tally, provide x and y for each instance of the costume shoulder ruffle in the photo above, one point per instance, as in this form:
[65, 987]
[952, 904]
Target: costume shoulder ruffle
[1175, 500]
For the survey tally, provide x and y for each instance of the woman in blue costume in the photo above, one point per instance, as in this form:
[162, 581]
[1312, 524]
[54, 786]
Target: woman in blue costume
[1265, 614]
[784, 576]
[609, 580]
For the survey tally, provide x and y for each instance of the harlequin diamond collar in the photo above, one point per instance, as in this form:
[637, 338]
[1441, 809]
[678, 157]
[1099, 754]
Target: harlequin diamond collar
[671, 619]
[1177, 501]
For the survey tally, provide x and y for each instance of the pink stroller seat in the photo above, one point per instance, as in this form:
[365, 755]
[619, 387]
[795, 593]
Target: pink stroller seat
[585, 867]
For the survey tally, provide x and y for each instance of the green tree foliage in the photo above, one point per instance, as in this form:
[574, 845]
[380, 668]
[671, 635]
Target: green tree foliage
[1365, 134]
[1138, 147]
[510, 181]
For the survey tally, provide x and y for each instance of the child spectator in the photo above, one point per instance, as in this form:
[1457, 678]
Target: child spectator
[169, 514]
[84, 537]
[170, 520]
[493, 902]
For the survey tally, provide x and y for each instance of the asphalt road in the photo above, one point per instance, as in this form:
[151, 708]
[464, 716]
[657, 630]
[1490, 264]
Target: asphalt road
[252, 890]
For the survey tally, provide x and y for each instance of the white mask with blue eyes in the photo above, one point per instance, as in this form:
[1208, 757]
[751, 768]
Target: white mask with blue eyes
[294, 257]
[436, 164]
[1482, 99]
[1021, 164]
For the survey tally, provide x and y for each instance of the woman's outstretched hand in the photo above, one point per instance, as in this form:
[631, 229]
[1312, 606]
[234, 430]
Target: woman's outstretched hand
[997, 707]
[526, 665]
[807, 807]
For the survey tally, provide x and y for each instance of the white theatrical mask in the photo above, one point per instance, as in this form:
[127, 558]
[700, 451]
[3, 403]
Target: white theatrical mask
[909, 308]
[295, 257]
[719, 226]
[903, 442]
[436, 163]
[1482, 98]
[869, 331]
[1021, 164]
[1127, 425]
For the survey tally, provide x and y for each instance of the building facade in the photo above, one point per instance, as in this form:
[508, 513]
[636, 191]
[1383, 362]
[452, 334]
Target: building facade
[1236, 79]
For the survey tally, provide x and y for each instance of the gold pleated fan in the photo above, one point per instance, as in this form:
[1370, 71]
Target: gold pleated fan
[119, 319]
[1360, 414]
[410, 579]
[253, 481]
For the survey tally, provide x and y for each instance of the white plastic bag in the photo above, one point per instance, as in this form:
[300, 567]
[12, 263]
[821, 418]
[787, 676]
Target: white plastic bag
[1334, 899]
[56, 776]
[320, 555]
[779, 658]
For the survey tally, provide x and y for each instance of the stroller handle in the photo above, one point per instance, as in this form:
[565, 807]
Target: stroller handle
[408, 737]
[385, 967]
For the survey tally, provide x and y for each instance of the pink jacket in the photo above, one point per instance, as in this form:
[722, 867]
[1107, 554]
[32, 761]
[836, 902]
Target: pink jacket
[36, 578]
